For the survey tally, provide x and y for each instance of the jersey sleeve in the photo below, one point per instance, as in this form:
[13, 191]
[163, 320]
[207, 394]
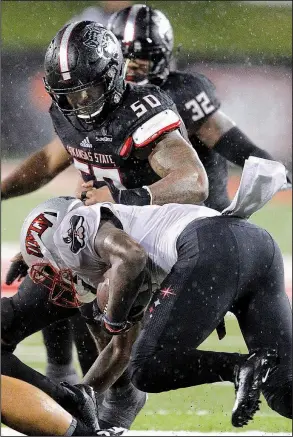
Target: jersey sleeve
[153, 114]
[196, 101]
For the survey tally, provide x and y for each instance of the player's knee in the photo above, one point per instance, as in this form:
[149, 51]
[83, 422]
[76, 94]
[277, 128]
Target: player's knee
[143, 363]
[143, 374]
[278, 392]
[280, 400]
[141, 378]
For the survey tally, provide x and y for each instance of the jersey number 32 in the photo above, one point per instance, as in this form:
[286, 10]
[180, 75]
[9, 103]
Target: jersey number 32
[200, 106]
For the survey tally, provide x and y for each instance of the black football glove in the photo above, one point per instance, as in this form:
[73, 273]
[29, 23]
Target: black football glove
[17, 270]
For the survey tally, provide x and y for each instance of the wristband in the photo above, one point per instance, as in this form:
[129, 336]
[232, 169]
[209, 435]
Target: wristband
[135, 196]
[114, 327]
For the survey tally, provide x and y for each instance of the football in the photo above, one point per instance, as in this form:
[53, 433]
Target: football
[138, 306]
[103, 294]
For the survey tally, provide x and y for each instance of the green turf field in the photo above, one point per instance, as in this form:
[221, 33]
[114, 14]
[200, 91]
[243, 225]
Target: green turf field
[203, 409]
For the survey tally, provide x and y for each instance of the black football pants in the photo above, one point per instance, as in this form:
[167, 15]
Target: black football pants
[224, 264]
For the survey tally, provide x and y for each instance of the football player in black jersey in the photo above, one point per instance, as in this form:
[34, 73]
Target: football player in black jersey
[146, 38]
[127, 136]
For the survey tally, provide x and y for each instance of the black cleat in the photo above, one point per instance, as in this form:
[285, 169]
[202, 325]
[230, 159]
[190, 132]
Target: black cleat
[111, 431]
[248, 380]
[84, 407]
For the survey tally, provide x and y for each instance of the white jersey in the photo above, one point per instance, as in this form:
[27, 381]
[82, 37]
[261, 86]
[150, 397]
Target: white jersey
[156, 228]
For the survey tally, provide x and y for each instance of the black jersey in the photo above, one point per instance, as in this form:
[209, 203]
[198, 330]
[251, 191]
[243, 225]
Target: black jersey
[195, 99]
[145, 113]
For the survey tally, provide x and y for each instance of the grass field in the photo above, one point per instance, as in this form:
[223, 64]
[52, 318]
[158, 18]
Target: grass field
[205, 408]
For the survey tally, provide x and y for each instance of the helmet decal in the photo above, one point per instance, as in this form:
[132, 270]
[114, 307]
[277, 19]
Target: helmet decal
[105, 49]
[37, 227]
[63, 56]
[163, 26]
[75, 236]
[129, 30]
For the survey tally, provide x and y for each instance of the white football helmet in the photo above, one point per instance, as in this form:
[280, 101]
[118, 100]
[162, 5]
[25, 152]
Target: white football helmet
[41, 254]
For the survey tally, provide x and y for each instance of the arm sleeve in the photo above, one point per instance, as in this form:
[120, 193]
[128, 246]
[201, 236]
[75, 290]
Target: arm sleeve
[235, 146]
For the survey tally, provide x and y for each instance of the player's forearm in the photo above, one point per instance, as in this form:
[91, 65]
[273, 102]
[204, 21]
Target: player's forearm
[179, 188]
[107, 368]
[235, 146]
[125, 281]
[30, 175]
[112, 361]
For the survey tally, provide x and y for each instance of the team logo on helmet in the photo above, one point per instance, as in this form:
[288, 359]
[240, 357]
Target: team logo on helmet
[100, 39]
[75, 235]
[36, 229]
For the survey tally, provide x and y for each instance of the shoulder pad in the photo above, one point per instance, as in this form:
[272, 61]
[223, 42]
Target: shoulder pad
[153, 128]
[141, 105]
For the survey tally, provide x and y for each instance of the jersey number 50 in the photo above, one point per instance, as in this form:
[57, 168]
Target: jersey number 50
[140, 109]
[200, 106]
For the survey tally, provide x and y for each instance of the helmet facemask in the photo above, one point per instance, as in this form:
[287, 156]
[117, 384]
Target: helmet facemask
[87, 101]
[60, 283]
[148, 66]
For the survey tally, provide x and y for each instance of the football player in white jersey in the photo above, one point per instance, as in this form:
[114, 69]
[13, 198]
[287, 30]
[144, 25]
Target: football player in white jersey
[203, 264]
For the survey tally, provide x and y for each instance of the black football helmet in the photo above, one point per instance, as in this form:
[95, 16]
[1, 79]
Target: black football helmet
[145, 33]
[84, 69]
